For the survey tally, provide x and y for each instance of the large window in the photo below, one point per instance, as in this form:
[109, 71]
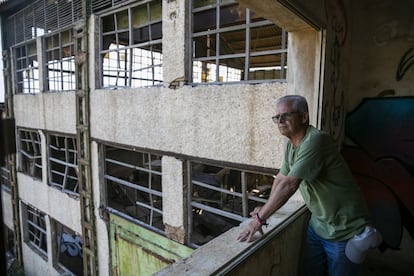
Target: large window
[30, 153]
[133, 185]
[63, 164]
[26, 68]
[221, 197]
[232, 44]
[35, 229]
[60, 61]
[130, 46]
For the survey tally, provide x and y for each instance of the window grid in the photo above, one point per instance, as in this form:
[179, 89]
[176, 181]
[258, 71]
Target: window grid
[232, 44]
[5, 176]
[36, 227]
[221, 197]
[27, 68]
[63, 164]
[30, 151]
[42, 16]
[133, 186]
[60, 61]
[130, 46]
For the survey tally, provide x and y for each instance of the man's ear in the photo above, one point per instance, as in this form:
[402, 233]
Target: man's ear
[305, 117]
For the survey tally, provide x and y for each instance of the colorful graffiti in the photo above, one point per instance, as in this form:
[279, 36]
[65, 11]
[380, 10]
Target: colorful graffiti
[383, 164]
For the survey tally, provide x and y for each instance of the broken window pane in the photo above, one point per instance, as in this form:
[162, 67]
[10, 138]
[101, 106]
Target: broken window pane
[63, 164]
[69, 249]
[222, 197]
[233, 38]
[36, 229]
[133, 185]
[26, 68]
[30, 153]
[131, 48]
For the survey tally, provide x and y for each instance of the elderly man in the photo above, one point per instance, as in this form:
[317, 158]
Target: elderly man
[313, 164]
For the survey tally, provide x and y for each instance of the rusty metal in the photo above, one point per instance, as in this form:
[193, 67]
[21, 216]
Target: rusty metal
[90, 262]
[11, 159]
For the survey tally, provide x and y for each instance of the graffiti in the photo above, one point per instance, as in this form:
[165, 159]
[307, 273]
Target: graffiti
[385, 33]
[405, 63]
[383, 165]
[333, 105]
[393, 30]
[337, 19]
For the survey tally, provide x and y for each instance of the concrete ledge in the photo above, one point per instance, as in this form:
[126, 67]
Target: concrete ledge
[222, 254]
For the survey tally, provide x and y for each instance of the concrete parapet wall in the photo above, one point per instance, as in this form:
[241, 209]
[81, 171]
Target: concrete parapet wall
[277, 251]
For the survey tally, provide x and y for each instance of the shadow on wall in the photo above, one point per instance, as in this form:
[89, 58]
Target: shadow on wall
[383, 164]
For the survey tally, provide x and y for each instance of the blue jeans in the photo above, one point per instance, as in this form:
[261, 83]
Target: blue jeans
[324, 257]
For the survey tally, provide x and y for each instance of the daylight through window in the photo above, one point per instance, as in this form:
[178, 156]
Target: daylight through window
[30, 153]
[130, 46]
[232, 44]
[63, 164]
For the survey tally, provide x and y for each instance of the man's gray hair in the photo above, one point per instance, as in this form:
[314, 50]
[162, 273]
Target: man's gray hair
[299, 103]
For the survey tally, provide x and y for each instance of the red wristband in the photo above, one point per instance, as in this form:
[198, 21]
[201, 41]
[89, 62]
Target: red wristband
[260, 221]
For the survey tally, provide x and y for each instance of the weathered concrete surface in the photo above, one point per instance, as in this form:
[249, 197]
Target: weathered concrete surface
[7, 209]
[51, 201]
[53, 111]
[173, 204]
[231, 123]
[216, 254]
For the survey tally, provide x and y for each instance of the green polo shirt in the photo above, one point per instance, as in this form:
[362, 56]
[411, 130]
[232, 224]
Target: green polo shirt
[330, 192]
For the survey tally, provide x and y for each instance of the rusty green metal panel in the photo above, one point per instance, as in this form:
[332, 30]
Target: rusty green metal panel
[139, 251]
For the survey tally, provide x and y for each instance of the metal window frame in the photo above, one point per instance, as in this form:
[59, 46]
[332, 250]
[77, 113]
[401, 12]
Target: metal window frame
[70, 152]
[36, 220]
[216, 58]
[57, 77]
[126, 74]
[5, 177]
[30, 151]
[44, 15]
[57, 242]
[220, 212]
[147, 157]
[32, 83]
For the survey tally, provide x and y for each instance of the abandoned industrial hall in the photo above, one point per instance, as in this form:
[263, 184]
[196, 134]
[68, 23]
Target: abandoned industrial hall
[144, 136]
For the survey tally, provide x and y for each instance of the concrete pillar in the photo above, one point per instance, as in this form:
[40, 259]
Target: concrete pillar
[173, 203]
[174, 42]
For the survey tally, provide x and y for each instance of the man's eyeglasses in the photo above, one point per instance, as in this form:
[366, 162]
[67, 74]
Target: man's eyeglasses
[283, 117]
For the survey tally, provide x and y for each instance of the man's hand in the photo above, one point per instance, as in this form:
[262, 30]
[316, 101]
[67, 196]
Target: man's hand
[253, 226]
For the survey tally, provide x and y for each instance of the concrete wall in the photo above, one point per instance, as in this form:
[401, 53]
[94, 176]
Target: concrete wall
[229, 123]
[51, 111]
[381, 45]
[51, 201]
[7, 209]
[102, 229]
